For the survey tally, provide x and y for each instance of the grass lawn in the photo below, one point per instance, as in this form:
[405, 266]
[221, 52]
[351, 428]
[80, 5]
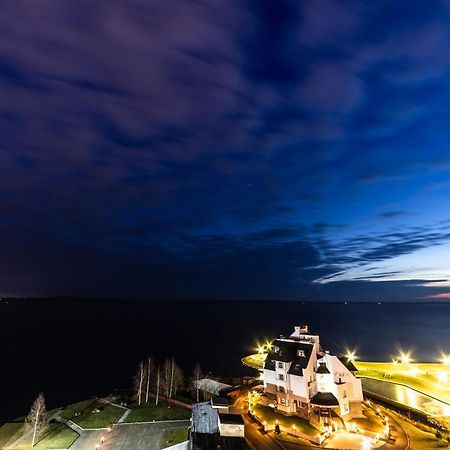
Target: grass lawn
[174, 436]
[420, 440]
[426, 378]
[58, 436]
[255, 361]
[9, 432]
[265, 413]
[162, 411]
[290, 438]
[107, 416]
[80, 407]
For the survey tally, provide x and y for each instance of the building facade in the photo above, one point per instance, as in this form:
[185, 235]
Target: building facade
[302, 379]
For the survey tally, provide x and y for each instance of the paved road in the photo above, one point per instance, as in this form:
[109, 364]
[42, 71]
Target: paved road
[399, 439]
[256, 438]
[261, 441]
[127, 436]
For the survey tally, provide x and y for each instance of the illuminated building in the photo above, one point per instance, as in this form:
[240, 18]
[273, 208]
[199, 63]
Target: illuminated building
[302, 379]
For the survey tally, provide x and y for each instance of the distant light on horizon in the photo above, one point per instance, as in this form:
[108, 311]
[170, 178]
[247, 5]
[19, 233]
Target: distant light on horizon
[405, 358]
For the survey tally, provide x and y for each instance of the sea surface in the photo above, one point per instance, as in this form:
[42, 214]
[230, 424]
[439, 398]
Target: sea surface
[72, 349]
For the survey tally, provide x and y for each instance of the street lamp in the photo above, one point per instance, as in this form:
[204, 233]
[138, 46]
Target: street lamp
[405, 358]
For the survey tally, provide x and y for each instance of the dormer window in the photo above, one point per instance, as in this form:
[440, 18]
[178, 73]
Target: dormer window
[276, 349]
[301, 353]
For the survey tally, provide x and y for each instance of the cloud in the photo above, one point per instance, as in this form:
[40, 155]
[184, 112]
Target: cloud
[441, 296]
[230, 141]
[393, 214]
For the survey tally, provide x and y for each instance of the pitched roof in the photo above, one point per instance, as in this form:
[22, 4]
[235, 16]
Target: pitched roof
[205, 419]
[348, 363]
[324, 399]
[289, 351]
[322, 369]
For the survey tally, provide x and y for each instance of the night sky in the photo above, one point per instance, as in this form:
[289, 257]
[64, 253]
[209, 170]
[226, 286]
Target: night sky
[263, 149]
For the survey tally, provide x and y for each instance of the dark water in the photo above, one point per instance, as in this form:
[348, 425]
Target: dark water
[73, 349]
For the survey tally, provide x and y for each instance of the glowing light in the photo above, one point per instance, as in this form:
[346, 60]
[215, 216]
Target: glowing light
[405, 358]
[445, 359]
[367, 445]
[260, 349]
[395, 361]
[442, 377]
[351, 356]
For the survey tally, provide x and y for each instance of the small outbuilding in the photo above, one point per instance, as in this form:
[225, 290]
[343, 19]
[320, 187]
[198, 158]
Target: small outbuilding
[231, 425]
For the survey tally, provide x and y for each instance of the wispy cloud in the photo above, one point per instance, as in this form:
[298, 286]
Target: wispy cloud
[263, 138]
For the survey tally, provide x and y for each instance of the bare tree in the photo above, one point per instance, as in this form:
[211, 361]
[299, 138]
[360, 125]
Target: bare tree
[158, 382]
[36, 419]
[139, 381]
[166, 376]
[197, 376]
[149, 374]
[177, 379]
[172, 373]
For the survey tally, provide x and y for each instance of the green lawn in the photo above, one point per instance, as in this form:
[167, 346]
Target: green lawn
[57, 436]
[267, 414]
[9, 432]
[174, 436]
[107, 416]
[80, 407]
[291, 438]
[163, 411]
[420, 440]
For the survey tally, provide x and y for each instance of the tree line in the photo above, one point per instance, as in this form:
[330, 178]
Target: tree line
[166, 379]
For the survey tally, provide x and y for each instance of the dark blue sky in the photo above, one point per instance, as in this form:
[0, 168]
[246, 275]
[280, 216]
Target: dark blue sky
[225, 149]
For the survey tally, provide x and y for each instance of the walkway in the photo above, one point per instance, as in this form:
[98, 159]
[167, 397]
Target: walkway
[127, 436]
[124, 415]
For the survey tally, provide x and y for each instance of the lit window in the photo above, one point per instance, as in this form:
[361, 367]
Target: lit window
[301, 353]
[276, 349]
[281, 376]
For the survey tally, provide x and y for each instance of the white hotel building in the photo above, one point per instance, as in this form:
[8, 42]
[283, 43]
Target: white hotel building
[301, 379]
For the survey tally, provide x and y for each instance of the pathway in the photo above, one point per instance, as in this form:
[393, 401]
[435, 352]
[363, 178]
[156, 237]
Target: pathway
[127, 436]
